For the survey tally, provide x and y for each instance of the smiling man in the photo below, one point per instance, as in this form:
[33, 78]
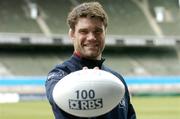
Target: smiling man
[87, 29]
[88, 37]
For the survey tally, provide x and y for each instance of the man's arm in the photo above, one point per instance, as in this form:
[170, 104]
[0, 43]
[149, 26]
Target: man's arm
[53, 77]
[131, 112]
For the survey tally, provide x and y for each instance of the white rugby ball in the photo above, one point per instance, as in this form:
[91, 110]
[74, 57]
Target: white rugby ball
[88, 93]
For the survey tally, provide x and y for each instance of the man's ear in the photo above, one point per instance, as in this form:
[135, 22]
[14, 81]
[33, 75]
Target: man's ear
[71, 34]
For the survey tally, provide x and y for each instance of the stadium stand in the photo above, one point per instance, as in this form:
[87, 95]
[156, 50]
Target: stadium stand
[29, 63]
[120, 22]
[14, 18]
[145, 61]
[125, 17]
[55, 13]
[129, 61]
[171, 24]
[128, 25]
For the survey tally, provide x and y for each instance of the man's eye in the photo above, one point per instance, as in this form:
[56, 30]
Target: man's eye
[98, 31]
[83, 32]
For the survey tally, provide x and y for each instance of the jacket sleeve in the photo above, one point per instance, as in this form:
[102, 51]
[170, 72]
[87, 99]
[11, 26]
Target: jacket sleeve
[131, 112]
[53, 77]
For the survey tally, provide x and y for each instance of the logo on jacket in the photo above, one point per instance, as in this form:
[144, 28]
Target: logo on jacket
[122, 104]
[56, 75]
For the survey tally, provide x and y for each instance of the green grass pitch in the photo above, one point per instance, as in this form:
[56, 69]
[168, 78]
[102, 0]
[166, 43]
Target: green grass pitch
[146, 108]
[164, 107]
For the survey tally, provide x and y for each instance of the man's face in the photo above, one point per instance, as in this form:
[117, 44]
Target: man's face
[89, 37]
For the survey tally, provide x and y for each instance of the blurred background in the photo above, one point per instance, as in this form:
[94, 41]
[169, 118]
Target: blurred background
[143, 44]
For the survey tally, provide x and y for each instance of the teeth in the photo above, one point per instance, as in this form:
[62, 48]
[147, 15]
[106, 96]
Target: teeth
[92, 45]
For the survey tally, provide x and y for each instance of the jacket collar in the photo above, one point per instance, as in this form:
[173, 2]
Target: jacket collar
[84, 62]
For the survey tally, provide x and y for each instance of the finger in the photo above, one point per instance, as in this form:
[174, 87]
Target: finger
[84, 68]
[96, 68]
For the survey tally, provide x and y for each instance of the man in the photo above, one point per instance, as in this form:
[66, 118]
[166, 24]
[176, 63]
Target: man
[88, 23]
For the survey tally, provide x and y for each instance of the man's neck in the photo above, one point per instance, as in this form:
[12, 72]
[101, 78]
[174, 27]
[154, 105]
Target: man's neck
[78, 54]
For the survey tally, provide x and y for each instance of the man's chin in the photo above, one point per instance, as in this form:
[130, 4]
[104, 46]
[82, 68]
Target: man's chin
[91, 55]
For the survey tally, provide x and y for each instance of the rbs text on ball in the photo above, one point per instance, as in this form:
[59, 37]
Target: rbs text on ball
[85, 100]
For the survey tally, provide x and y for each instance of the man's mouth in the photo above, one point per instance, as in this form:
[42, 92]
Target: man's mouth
[91, 45]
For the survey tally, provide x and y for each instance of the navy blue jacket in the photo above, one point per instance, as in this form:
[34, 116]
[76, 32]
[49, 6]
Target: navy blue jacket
[124, 110]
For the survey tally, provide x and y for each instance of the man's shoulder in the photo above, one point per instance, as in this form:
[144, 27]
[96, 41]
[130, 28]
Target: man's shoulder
[117, 74]
[112, 71]
[62, 66]
[59, 70]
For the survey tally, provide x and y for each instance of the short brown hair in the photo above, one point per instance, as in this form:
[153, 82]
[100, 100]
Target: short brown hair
[87, 9]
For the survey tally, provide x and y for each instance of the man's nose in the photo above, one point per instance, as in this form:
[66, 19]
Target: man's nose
[91, 36]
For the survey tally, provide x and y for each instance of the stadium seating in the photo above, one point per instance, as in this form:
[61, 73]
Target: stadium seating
[128, 61]
[157, 62]
[55, 13]
[169, 27]
[28, 64]
[145, 61]
[125, 18]
[14, 18]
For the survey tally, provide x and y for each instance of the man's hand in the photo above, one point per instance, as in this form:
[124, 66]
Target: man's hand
[84, 68]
